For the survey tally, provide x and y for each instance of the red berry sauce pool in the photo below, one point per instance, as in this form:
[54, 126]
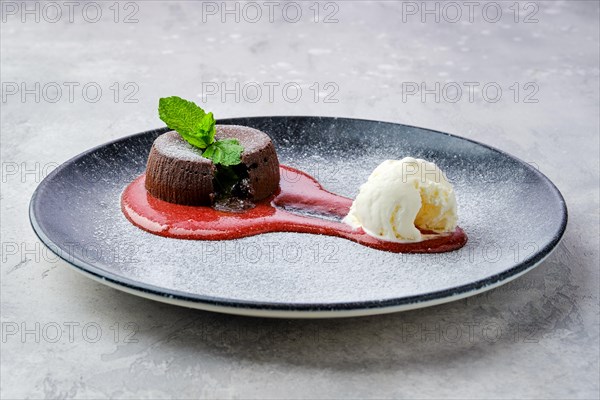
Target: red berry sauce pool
[285, 211]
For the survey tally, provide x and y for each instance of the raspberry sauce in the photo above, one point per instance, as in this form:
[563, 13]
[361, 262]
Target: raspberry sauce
[299, 194]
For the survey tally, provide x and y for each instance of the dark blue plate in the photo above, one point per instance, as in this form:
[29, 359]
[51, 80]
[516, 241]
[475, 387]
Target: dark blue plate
[514, 217]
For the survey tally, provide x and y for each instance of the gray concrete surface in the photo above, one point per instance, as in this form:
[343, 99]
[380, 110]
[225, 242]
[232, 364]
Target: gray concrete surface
[65, 336]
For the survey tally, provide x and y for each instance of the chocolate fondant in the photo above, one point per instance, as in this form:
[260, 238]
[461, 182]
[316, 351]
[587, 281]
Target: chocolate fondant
[178, 173]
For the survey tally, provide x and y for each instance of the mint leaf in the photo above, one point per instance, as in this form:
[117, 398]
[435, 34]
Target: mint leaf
[190, 121]
[225, 152]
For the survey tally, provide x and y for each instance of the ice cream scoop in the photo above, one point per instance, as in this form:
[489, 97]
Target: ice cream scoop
[403, 197]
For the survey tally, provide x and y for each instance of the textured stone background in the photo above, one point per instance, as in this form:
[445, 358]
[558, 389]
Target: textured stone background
[536, 337]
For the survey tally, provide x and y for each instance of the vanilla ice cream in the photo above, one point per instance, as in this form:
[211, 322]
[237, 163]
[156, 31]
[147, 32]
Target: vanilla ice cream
[401, 196]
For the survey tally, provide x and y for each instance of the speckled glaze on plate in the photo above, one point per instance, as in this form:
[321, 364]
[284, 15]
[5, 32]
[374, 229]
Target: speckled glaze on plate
[514, 217]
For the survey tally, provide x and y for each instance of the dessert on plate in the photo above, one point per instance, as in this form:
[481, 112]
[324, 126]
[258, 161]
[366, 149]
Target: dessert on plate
[215, 182]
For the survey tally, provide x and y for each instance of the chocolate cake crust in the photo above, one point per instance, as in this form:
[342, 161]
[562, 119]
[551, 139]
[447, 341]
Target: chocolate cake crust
[178, 173]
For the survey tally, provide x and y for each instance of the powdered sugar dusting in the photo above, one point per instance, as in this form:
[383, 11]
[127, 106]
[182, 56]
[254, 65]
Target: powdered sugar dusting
[172, 145]
[251, 139]
[507, 210]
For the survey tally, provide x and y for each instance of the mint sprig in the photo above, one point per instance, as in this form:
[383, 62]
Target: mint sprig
[190, 121]
[198, 128]
[225, 152]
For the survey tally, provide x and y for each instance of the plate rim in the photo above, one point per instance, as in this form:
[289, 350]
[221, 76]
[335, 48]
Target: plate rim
[247, 307]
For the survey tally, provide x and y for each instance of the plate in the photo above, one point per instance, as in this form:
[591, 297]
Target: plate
[514, 217]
